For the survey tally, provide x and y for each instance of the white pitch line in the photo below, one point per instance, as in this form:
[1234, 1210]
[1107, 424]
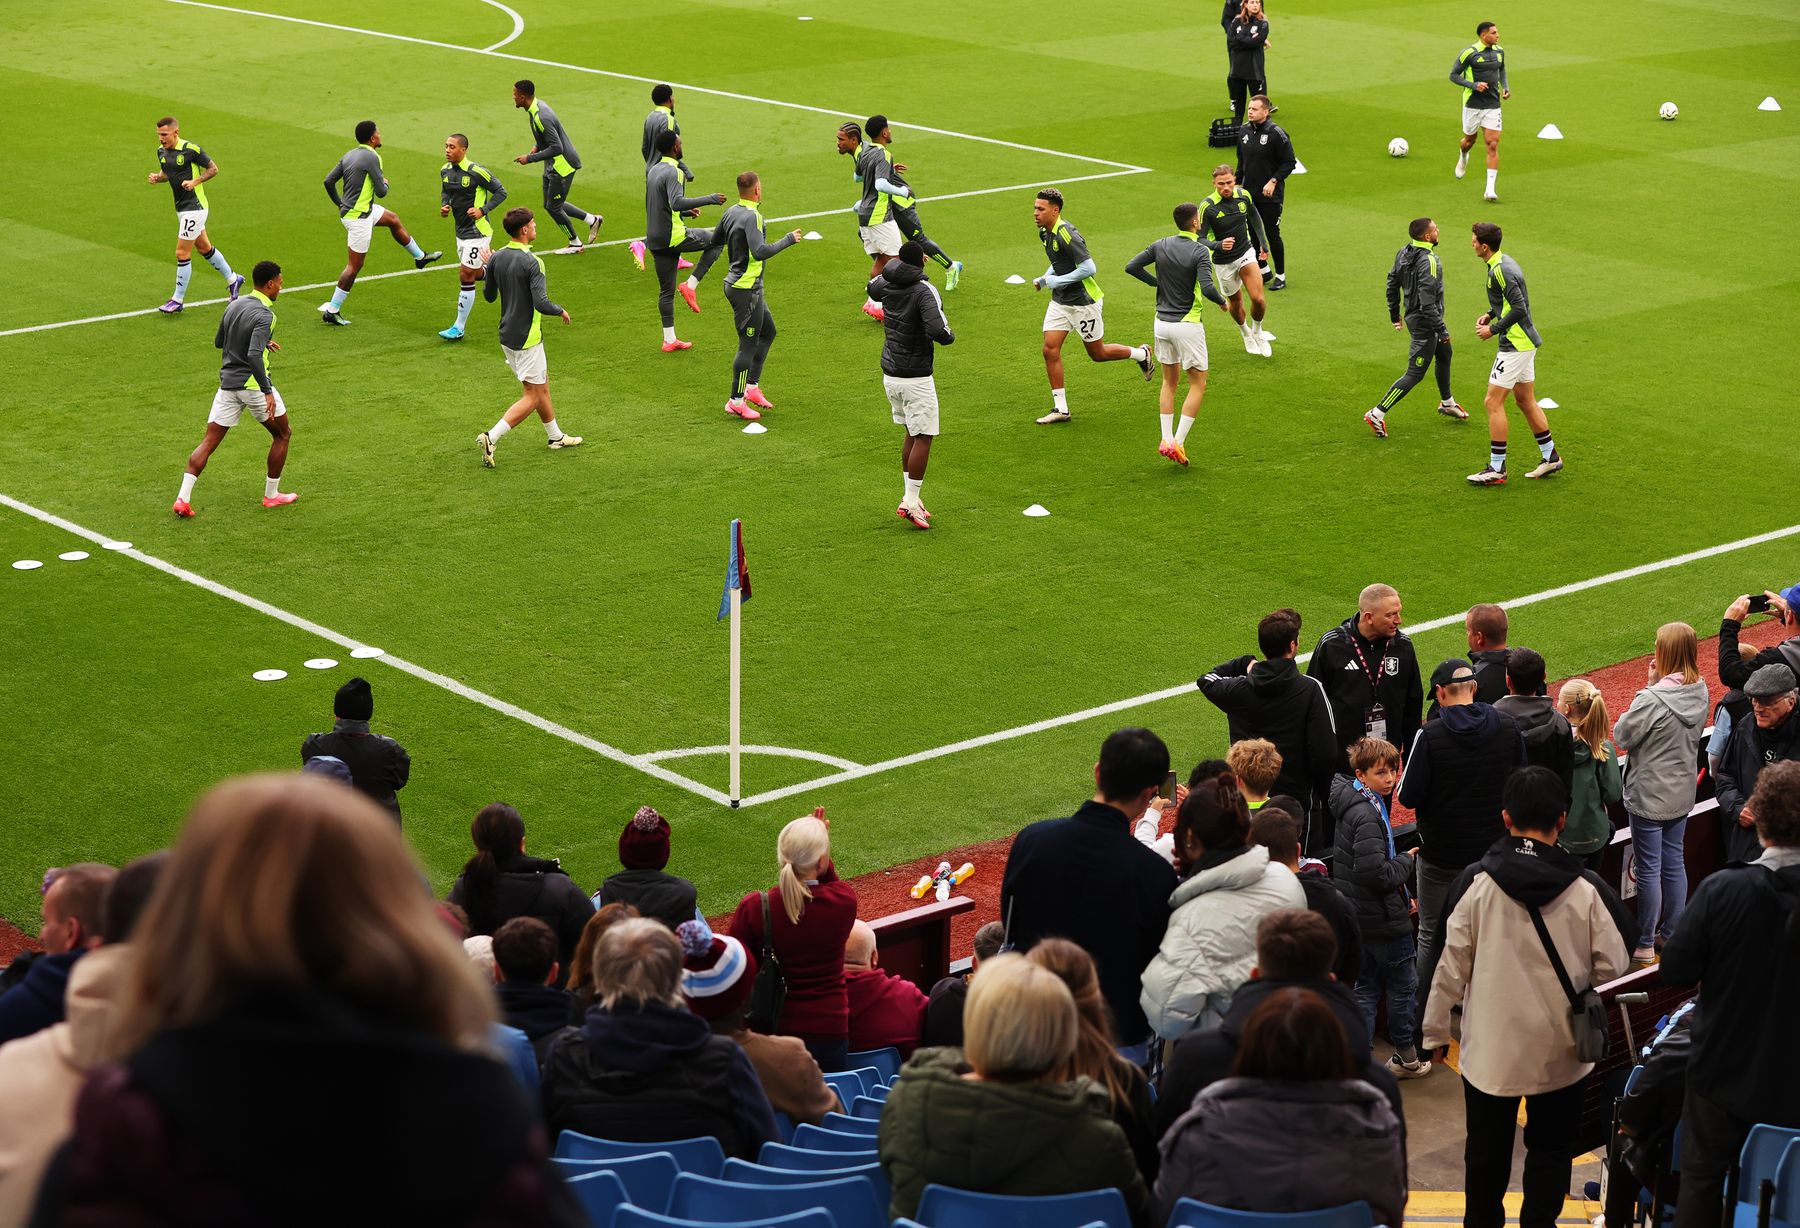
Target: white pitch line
[625, 76]
[785, 752]
[518, 26]
[406, 667]
[1138, 701]
[443, 266]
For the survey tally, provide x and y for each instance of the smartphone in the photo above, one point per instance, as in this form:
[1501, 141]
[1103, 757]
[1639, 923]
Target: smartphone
[1759, 604]
[1167, 792]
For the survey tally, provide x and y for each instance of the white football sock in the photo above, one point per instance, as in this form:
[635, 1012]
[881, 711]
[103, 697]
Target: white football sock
[669, 333]
[497, 432]
[691, 283]
[553, 430]
[216, 258]
[912, 490]
[1059, 397]
[1168, 427]
[183, 270]
[1181, 430]
[271, 487]
[1140, 353]
[187, 486]
[465, 302]
[1492, 175]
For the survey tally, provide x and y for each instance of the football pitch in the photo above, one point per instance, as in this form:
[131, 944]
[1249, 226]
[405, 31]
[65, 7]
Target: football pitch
[548, 626]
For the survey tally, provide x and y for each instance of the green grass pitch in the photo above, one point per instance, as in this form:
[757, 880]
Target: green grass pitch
[581, 586]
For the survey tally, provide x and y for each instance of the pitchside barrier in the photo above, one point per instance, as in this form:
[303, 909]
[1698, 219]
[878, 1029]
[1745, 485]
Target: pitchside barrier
[915, 944]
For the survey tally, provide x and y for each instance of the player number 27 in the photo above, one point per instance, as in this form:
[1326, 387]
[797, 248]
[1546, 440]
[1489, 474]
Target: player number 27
[1087, 329]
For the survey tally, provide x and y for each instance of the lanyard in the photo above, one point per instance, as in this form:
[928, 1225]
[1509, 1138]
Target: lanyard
[1373, 675]
[1381, 809]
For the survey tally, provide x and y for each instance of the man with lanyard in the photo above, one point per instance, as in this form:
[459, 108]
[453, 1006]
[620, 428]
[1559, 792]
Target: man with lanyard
[470, 193]
[1370, 673]
[1183, 276]
[741, 227]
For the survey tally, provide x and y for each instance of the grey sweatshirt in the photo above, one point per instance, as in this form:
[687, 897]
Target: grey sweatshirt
[1183, 266]
[517, 277]
[243, 335]
[1479, 63]
[359, 171]
[664, 202]
[659, 121]
[1660, 735]
[741, 227]
[551, 139]
[1509, 310]
[1416, 284]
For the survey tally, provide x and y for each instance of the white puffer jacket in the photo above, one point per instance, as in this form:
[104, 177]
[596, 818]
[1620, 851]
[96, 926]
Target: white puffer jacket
[1210, 945]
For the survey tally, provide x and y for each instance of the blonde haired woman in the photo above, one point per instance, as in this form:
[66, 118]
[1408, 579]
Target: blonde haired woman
[1596, 783]
[1660, 733]
[1002, 1115]
[296, 1005]
[805, 918]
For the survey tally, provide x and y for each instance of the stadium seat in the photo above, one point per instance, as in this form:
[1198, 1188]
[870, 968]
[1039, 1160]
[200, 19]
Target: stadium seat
[867, 1107]
[745, 1173]
[848, 1085]
[885, 1062]
[851, 1201]
[1191, 1213]
[943, 1207]
[693, 1155]
[647, 1178]
[817, 1138]
[600, 1195]
[629, 1216]
[851, 1125]
[781, 1155]
[1786, 1210]
[784, 1127]
[1760, 1160]
[870, 1076]
[881, 1093]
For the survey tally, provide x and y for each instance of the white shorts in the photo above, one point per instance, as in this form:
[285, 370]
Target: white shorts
[881, 240]
[1085, 322]
[190, 225]
[1181, 343]
[1513, 367]
[361, 229]
[470, 251]
[1474, 121]
[228, 407]
[529, 365]
[914, 402]
[1231, 276]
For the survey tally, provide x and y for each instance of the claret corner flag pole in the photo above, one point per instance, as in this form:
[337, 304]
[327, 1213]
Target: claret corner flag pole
[731, 603]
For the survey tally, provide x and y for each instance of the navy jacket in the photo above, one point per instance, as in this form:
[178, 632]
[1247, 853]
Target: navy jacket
[36, 1002]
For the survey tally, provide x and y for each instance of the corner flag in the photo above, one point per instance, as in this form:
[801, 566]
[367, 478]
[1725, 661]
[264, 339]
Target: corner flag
[737, 571]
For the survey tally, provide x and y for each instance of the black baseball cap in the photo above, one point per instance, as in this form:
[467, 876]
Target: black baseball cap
[1453, 672]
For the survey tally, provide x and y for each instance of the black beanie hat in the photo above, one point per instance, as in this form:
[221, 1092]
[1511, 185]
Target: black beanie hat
[355, 701]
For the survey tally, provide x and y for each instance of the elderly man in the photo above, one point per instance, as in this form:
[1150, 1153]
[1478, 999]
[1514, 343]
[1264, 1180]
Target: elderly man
[1734, 670]
[73, 897]
[1371, 674]
[884, 1009]
[1730, 941]
[1772, 737]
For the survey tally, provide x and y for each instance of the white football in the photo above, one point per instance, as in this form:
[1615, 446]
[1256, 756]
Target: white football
[1668, 110]
[1397, 148]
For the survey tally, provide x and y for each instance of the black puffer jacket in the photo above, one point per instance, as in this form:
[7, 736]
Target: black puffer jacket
[1274, 700]
[914, 319]
[1748, 750]
[1373, 882]
[529, 887]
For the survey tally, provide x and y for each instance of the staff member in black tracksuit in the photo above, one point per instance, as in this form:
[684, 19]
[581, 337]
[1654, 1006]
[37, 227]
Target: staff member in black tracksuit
[1371, 674]
[1416, 285]
[913, 319]
[1265, 160]
[1246, 35]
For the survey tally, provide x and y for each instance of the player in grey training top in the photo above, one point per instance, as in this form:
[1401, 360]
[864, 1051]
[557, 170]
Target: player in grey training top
[904, 206]
[1074, 303]
[740, 231]
[1183, 269]
[516, 277]
[1508, 318]
[1416, 283]
[245, 331]
[550, 144]
[359, 204]
[667, 235]
[1480, 72]
[660, 120]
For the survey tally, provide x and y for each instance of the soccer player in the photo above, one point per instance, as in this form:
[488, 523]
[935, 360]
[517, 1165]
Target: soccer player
[741, 232]
[359, 171]
[1417, 282]
[1184, 270]
[875, 225]
[1480, 72]
[905, 206]
[1074, 303]
[185, 167]
[245, 332]
[913, 325]
[660, 120]
[1235, 224]
[516, 276]
[667, 235]
[1265, 160]
[550, 145]
[1508, 317]
[470, 193]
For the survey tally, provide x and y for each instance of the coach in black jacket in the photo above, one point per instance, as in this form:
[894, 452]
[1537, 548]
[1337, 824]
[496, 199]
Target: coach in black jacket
[1367, 661]
[1265, 160]
[379, 767]
[1272, 699]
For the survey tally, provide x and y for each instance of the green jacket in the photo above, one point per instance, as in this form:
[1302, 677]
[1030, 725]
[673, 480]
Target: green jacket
[1596, 785]
[1000, 1138]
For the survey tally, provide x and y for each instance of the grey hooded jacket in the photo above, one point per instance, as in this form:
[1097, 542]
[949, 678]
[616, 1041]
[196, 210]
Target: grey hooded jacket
[1660, 735]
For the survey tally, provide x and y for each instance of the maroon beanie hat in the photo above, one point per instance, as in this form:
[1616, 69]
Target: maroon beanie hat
[644, 844]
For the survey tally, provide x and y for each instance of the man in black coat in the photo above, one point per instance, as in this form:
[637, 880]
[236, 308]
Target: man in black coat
[1271, 699]
[1371, 675]
[1549, 741]
[1265, 160]
[1770, 736]
[1295, 949]
[643, 884]
[379, 767]
[526, 971]
[1088, 879]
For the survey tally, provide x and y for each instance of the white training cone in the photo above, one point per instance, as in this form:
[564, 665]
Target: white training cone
[1550, 133]
[1299, 167]
[269, 675]
[1547, 403]
[72, 556]
[115, 545]
[365, 653]
[27, 565]
[1768, 104]
[1015, 280]
[321, 663]
[812, 234]
[756, 428]
[804, 19]
[1037, 509]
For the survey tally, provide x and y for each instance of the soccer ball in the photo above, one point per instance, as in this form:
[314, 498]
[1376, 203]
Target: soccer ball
[1397, 148]
[1668, 110]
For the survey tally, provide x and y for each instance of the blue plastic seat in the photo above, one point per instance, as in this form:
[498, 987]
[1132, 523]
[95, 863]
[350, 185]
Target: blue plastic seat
[647, 1178]
[868, 1107]
[817, 1138]
[868, 1126]
[881, 1093]
[1787, 1186]
[600, 1194]
[692, 1155]
[629, 1216]
[782, 1155]
[784, 1127]
[1191, 1213]
[885, 1062]
[870, 1076]
[848, 1085]
[851, 1201]
[1760, 1160]
[943, 1207]
[745, 1173]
